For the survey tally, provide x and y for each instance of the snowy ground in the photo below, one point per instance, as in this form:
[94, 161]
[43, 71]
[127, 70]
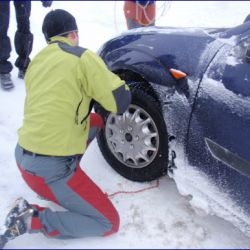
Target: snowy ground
[157, 218]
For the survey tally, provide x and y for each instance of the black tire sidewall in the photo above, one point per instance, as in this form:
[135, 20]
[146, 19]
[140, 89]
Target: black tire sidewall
[158, 166]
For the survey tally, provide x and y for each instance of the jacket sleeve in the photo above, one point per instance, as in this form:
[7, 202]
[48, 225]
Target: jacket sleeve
[104, 86]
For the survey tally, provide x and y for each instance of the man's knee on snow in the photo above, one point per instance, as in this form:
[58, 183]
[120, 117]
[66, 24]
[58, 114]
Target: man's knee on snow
[114, 224]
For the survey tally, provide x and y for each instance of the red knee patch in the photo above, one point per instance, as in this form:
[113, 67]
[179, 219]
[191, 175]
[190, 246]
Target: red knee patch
[53, 233]
[81, 184]
[96, 121]
[36, 224]
[38, 185]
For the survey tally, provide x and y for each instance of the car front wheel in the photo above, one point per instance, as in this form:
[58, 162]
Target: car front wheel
[135, 144]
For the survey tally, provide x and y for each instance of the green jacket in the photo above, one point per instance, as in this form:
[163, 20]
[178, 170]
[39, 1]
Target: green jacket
[60, 83]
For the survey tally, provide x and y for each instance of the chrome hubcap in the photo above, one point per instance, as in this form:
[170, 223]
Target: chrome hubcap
[132, 137]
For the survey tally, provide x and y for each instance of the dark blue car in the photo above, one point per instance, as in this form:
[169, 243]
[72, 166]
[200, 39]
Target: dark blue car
[190, 113]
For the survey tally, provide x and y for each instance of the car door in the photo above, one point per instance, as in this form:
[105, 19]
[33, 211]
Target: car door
[219, 133]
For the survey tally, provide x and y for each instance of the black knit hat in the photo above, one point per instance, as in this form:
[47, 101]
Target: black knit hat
[58, 22]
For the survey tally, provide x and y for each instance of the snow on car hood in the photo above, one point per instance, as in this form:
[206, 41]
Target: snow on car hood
[171, 30]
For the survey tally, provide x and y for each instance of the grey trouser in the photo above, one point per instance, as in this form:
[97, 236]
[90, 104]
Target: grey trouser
[60, 179]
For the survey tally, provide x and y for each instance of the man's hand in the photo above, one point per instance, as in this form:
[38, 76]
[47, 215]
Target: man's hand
[46, 3]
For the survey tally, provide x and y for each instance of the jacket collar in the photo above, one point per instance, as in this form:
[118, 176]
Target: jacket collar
[61, 39]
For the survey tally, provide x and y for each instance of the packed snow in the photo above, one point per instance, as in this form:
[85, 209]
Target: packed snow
[157, 218]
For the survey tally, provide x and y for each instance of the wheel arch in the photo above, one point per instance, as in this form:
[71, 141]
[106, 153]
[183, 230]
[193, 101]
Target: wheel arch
[133, 77]
[143, 64]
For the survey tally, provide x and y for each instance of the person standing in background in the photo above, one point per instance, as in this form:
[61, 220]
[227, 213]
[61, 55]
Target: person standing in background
[23, 40]
[139, 13]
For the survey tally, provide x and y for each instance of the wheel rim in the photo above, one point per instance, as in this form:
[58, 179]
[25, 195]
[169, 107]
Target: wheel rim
[133, 137]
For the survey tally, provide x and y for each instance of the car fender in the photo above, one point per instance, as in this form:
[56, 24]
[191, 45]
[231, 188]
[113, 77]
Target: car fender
[147, 66]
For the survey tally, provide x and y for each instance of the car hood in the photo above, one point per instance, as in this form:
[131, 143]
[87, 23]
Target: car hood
[179, 48]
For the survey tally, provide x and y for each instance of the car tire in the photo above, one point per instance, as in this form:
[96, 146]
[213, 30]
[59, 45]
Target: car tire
[136, 161]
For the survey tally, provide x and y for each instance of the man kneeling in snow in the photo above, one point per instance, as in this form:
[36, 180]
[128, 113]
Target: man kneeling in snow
[62, 82]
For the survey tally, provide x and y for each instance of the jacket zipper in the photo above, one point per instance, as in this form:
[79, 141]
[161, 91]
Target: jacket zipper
[77, 111]
[91, 105]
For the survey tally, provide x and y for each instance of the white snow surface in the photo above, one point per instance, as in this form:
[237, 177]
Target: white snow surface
[157, 218]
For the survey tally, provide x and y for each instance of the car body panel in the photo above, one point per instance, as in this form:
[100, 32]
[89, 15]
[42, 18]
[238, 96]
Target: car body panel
[208, 112]
[164, 48]
[219, 138]
[151, 52]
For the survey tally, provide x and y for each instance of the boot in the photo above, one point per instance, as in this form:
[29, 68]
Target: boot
[18, 220]
[6, 82]
[17, 229]
[11, 233]
[21, 74]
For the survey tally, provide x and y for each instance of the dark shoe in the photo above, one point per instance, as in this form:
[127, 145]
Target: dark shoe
[6, 82]
[21, 74]
[17, 220]
[16, 230]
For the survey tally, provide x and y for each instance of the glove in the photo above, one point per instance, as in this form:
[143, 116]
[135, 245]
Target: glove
[46, 3]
